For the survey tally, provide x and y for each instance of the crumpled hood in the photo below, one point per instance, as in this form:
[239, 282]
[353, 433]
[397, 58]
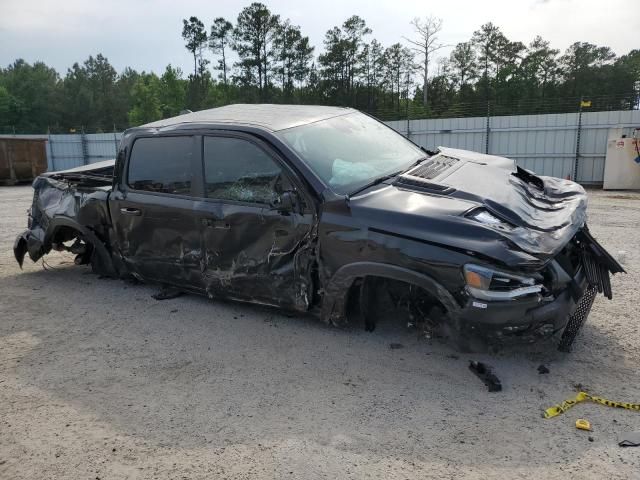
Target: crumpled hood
[539, 203]
[432, 203]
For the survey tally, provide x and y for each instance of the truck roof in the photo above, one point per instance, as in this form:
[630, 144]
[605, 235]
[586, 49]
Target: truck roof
[271, 117]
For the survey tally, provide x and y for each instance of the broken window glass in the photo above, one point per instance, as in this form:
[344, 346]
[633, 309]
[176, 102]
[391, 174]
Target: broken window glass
[236, 169]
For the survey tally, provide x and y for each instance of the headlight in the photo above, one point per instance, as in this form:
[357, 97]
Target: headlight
[488, 284]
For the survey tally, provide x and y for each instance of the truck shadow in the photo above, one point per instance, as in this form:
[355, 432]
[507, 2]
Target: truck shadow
[191, 373]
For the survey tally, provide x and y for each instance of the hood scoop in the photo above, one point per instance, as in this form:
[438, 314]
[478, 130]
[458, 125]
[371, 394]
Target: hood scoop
[432, 167]
[419, 177]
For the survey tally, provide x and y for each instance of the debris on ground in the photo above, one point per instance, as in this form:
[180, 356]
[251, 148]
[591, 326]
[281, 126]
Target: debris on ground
[583, 396]
[631, 439]
[395, 346]
[485, 374]
[542, 369]
[582, 424]
[167, 293]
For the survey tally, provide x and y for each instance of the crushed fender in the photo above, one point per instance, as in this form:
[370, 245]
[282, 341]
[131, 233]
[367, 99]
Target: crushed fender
[583, 396]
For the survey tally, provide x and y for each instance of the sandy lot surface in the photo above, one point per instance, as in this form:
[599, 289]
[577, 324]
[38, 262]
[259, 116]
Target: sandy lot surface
[100, 381]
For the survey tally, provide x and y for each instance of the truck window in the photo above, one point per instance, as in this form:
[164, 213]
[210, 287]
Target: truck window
[162, 164]
[236, 169]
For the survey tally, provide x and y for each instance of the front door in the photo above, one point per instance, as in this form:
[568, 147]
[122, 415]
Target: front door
[254, 248]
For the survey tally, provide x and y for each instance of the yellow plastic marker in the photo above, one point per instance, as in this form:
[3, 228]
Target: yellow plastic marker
[583, 424]
[583, 396]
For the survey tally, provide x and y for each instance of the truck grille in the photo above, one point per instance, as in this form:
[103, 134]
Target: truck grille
[597, 274]
[577, 319]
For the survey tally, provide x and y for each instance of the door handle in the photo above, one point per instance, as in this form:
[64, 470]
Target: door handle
[130, 211]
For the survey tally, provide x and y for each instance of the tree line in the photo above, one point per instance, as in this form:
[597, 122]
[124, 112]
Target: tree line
[262, 57]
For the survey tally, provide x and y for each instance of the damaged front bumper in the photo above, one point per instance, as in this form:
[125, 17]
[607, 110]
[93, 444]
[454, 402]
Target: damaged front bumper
[521, 321]
[554, 312]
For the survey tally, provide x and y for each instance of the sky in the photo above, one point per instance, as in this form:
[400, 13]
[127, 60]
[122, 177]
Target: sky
[146, 34]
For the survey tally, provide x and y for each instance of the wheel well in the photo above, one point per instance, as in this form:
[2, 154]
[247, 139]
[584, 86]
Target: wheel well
[82, 248]
[63, 234]
[92, 251]
[368, 294]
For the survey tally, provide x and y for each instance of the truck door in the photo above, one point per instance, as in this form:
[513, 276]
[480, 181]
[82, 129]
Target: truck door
[155, 222]
[255, 225]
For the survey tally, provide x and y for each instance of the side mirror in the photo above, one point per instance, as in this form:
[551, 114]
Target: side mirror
[286, 202]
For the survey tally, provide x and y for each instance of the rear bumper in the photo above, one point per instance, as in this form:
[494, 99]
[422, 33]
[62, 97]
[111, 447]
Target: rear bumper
[523, 320]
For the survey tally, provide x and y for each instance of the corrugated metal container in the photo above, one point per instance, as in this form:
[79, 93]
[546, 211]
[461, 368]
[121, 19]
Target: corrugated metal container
[21, 160]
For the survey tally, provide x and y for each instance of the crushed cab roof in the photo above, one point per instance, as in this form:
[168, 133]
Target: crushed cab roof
[268, 116]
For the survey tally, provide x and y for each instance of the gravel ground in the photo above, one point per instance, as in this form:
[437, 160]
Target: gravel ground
[98, 380]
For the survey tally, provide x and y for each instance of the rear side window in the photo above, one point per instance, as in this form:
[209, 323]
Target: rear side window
[162, 164]
[236, 169]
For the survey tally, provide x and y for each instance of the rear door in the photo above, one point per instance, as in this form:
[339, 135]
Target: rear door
[153, 211]
[252, 248]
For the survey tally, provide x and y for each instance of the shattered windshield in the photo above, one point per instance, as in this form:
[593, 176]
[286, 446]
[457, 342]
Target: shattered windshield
[351, 150]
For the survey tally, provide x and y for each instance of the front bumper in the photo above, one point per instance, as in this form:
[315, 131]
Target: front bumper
[523, 320]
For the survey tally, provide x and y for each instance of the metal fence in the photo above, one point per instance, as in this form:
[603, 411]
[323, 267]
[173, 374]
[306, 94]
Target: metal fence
[73, 150]
[561, 145]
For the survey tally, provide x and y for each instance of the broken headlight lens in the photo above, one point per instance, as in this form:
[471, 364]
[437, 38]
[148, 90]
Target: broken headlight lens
[489, 284]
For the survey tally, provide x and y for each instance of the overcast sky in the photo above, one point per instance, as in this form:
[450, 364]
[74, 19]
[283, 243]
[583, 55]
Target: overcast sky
[145, 34]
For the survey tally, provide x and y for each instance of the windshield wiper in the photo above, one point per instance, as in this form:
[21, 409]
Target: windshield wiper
[386, 177]
[376, 181]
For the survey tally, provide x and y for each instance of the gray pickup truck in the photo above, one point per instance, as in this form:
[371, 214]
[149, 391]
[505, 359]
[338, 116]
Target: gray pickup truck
[326, 210]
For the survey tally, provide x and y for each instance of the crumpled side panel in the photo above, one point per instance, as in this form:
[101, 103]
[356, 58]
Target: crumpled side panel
[59, 204]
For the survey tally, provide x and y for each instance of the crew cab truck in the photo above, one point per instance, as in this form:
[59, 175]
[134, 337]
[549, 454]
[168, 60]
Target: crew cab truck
[323, 210]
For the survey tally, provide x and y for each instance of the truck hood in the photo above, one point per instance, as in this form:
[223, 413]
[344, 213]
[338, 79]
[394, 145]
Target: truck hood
[437, 201]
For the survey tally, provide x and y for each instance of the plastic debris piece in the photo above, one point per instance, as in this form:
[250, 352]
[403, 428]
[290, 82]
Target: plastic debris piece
[582, 424]
[485, 374]
[631, 439]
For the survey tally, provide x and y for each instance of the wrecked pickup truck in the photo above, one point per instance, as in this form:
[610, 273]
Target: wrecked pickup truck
[326, 210]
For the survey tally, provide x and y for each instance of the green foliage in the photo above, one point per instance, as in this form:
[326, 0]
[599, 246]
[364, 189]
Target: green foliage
[219, 39]
[171, 92]
[6, 100]
[146, 104]
[275, 63]
[253, 41]
[33, 95]
[195, 36]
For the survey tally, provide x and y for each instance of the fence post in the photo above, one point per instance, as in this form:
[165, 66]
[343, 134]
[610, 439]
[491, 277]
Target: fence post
[50, 142]
[577, 159]
[85, 148]
[408, 128]
[115, 140]
[488, 128]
